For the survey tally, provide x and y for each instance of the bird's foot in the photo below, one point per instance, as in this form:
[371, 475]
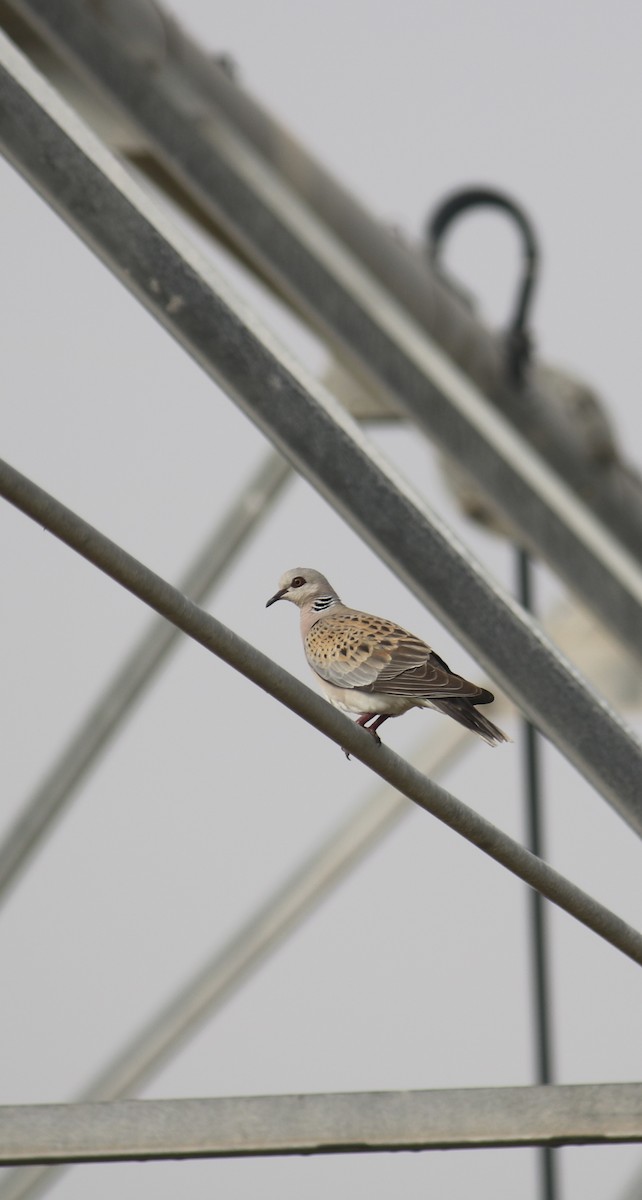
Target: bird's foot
[374, 735]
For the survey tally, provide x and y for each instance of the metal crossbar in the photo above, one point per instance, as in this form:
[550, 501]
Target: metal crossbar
[321, 1124]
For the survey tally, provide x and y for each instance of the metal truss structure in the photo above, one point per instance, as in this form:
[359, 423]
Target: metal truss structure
[394, 325]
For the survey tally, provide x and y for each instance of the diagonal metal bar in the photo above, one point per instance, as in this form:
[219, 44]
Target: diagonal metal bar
[335, 1123]
[210, 633]
[78, 176]
[201, 84]
[106, 715]
[234, 185]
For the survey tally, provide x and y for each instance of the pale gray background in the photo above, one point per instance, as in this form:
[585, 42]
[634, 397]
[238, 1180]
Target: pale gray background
[414, 974]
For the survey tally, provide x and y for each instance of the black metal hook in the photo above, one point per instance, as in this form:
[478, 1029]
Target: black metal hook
[518, 339]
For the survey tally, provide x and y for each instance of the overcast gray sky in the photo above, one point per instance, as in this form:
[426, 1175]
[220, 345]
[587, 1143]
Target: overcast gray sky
[414, 974]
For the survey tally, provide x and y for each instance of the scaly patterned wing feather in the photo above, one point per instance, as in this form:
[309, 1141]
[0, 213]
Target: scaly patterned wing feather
[431, 677]
[349, 649]
[357, 650]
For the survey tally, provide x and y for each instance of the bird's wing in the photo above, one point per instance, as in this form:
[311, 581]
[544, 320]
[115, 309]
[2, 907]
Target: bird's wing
[432, 680]
[356, 650]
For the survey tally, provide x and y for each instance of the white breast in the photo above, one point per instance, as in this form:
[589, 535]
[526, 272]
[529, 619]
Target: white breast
[351, 700]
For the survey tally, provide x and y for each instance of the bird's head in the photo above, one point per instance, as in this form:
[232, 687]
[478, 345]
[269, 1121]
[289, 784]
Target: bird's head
[302, 585]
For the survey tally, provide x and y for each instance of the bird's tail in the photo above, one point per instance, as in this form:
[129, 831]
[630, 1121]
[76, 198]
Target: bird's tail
[464, 711]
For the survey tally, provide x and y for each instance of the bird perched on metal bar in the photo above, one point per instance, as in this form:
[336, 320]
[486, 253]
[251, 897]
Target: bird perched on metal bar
[372, 667]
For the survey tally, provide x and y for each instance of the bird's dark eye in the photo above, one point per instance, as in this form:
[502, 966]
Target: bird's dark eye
[298, 581]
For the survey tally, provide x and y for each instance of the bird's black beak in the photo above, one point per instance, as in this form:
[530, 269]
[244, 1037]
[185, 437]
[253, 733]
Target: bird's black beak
[277, 596]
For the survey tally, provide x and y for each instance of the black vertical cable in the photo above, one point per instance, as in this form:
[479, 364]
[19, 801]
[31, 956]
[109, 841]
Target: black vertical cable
[518, 347]
[531, 760]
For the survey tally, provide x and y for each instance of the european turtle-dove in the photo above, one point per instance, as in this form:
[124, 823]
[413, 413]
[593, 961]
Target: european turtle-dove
[370, 666]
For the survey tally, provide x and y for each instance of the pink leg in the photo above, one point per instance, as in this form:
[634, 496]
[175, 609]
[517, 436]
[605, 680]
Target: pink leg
[363, 722]
[379, 721]
[376, 722]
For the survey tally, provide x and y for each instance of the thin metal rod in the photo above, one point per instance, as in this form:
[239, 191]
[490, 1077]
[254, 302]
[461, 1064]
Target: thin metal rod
[335, 1123]
[115, 216]
[537, 905]
[633, 1188]
[237, 189]
[106, 715]
[210, 633]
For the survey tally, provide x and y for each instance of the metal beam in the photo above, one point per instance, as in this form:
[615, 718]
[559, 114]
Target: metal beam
[80, 178]
[335, 1123]
[105, 716]
[284, 239]
[204, 84]
[210, 633]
